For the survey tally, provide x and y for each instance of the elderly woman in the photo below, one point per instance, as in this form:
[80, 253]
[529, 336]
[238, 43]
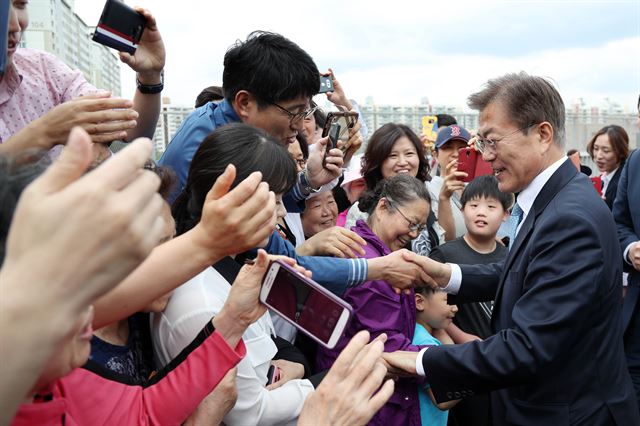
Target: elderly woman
[609, 149]
[398, 210]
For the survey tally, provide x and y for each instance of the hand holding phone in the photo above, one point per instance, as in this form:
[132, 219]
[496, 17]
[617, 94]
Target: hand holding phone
[326, 84]
[305, 304]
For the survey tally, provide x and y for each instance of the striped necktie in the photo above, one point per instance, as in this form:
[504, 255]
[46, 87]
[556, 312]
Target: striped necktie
[514, 221]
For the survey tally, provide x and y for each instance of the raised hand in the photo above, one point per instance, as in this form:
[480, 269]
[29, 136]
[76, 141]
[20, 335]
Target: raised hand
[353, 390]
[235, 221]
[336, 241]
[104, 118]
[149, 58]
[323, 170]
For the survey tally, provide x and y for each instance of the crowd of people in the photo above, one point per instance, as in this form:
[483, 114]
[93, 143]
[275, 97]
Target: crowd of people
[130, 289]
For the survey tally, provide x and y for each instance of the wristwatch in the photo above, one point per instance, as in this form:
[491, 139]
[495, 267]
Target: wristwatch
[306, 186]
[151, 89]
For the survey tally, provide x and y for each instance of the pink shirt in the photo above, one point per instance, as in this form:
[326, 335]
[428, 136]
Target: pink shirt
[36, 82]
[86, 398]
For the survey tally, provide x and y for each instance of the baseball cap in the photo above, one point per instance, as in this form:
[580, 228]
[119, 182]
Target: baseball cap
[452, 133]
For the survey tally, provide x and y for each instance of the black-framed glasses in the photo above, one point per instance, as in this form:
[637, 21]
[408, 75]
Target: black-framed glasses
[298, 116]
[482, 143]
[301, 162]
[413, 227]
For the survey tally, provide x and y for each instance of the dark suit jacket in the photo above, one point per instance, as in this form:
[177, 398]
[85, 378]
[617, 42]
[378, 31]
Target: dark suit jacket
[612, 188]
[557, 355]
[626, 211]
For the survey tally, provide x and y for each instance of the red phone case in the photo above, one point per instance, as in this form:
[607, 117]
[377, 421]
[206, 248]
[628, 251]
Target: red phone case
[471, 162]
[597, 184]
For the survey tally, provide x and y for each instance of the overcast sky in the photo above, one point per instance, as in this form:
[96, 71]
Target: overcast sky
[401, 51]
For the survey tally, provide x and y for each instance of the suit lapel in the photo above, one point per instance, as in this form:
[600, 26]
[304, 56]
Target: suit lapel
[556, 182]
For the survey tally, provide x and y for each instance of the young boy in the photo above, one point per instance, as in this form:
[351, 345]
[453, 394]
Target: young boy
[433, 316]
[484, 209]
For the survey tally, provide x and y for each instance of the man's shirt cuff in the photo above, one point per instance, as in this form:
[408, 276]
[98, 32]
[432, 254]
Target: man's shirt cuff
[453, 286]
[625, 255]
[419, 365]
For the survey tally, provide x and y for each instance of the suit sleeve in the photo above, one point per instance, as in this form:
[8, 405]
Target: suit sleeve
[622, 206]
[336, 275]
[558, 294]
[479, 283]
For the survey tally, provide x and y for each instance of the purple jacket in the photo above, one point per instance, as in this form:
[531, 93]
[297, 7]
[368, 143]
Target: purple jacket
[378, 309]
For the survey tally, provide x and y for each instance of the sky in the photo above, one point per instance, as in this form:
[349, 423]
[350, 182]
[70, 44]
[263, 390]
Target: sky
[401, 51]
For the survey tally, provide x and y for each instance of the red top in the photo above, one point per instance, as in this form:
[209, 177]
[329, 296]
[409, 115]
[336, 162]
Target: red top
[85, 398]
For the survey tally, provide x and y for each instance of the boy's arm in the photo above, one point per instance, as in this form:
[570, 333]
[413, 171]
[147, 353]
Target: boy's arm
[457, 336]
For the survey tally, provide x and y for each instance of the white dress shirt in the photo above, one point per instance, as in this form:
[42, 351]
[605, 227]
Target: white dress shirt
[190, 307]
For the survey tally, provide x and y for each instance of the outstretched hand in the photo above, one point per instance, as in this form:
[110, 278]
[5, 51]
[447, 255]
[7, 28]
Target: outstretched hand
[354, 389]
[234, 221]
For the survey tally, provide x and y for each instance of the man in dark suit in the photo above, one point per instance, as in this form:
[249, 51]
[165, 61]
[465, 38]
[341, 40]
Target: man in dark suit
[557, 356]
[626, 211]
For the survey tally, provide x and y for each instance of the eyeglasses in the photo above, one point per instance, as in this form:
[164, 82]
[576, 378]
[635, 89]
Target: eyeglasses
[413, 227]
[482, 144]
[301, 162]
[296, 117]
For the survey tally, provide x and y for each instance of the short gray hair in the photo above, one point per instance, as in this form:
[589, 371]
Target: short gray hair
[527, 99]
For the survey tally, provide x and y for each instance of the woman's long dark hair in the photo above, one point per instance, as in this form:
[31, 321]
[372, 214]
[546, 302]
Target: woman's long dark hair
[380, 146]
[250, 150]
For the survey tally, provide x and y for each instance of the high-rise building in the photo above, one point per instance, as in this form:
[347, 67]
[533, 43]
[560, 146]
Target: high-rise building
[170, 120]
[55, 28]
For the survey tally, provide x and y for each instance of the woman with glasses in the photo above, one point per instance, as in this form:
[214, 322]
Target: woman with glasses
[397, 212]
[392, 150]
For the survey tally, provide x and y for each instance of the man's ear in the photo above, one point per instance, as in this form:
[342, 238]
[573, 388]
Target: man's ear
[420, 302]
[546, 134]
[244, 104]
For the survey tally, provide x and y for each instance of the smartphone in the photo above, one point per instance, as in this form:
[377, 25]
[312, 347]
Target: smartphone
[334, 135]
[597, 184]
[326, 84]
[430, 127]
[120, 27]
[346, 120]
[471, 162]
[273, 375]
[305, 304]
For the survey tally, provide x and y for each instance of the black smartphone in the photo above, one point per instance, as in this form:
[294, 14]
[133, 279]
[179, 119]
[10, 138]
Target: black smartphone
[120, 27]
[273, 375]
[334, 136]
[326, 84]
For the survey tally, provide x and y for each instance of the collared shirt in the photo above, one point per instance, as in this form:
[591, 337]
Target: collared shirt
[606, 178]
[35, 83]
[188, 138]
[526, 199]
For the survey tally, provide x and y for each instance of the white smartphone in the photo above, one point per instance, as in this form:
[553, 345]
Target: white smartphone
[304, 303]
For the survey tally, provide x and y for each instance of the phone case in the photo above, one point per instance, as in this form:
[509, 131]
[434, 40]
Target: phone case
[471, 162]
[120, 27]
[467, 163]
[597, 184]
[317, 287]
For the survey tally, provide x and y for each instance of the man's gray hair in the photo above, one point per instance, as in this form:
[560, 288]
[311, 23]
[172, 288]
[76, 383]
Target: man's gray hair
[528, 100]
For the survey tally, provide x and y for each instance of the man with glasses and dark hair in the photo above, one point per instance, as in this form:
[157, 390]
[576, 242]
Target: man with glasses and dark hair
[557, 356]
[268, 83]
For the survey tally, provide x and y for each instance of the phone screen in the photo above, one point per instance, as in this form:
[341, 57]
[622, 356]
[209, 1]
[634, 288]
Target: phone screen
[304, 305]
